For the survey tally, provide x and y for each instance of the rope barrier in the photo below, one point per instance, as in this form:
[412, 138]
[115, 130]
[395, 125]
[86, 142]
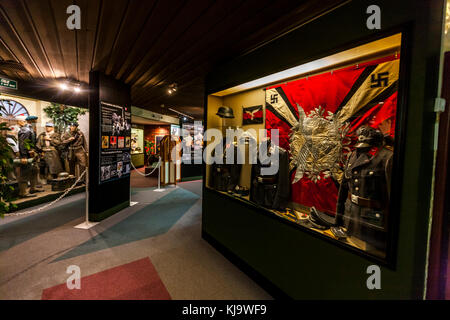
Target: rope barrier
[50, 203]
[146, 175]
[70, 189]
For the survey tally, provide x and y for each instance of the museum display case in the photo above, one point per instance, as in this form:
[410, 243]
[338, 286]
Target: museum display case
[341, 95]
[335, 129]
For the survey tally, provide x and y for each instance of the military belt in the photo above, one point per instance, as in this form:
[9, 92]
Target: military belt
[266, 180]
[364, 202]
[76, 148]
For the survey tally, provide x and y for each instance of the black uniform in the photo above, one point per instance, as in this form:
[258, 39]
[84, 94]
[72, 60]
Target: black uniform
[225, 177]
[271, 191]
[364, 194]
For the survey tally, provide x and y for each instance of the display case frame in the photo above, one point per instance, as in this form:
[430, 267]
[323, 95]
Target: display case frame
[270, 249]
[394, 206]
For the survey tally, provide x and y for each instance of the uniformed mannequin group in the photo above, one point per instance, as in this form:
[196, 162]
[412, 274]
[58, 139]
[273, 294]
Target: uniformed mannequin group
[42, 158]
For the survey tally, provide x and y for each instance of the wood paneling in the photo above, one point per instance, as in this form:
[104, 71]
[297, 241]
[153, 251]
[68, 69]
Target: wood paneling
[146, 44]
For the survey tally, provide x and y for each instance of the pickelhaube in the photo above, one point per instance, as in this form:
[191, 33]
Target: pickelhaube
[368, 137]
[225, 112]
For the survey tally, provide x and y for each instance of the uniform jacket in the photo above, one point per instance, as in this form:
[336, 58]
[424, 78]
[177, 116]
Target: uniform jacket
[77, 146]
[51, 154]
[369, 177]
[78, 143]
[225, 176]
[26, 133]
[276, 194]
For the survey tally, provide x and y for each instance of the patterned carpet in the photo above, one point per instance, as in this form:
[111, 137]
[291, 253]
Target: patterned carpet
[152, 250]
[138, 280]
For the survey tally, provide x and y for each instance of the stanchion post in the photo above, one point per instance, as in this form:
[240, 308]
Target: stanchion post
[86, 224]
[87, 195]
[159, 177]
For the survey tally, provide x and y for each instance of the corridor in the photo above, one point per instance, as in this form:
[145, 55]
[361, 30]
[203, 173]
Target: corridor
[152, 250]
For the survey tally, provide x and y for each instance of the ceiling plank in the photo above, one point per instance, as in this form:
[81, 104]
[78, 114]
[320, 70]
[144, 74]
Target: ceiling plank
[163, 14]
[171, 37]
[90, 11]
[14, 41]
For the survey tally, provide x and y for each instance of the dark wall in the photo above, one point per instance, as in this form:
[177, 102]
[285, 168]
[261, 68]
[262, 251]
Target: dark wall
[110, 197]
[296, 261]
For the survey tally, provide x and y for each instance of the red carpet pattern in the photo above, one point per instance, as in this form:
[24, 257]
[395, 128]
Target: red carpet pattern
[137, 280]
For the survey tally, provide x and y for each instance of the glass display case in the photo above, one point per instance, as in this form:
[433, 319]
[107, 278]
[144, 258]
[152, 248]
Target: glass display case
[137, 141]
[316, 146]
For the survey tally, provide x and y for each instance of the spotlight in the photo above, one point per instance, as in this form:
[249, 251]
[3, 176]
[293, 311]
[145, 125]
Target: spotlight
[77, 89]
[172, 88]
[63, 86]
[184, 118]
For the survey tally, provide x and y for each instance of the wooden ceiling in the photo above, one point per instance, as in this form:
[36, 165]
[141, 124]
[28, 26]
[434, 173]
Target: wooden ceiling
[147, 44]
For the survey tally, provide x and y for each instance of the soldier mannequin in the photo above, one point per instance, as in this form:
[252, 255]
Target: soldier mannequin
[47, 142]
[363, 200]
[28, 169]
[76, 142]
[13, 143]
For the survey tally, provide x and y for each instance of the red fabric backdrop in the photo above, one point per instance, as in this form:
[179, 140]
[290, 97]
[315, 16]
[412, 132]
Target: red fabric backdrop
[328, 90]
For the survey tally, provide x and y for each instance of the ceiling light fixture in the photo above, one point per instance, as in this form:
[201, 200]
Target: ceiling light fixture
[172, 88]
[77, 89]
[63, 86]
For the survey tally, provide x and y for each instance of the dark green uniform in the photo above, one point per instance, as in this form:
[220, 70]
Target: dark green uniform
[363, 200]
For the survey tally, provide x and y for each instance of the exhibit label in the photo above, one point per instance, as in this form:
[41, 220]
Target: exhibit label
[115, 146]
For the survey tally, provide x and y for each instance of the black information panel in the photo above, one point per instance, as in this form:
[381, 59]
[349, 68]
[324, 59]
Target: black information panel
[115, 147]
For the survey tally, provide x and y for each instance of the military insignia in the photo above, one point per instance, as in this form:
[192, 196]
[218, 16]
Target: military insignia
[317, 142]
[317, 117]
[252, 115]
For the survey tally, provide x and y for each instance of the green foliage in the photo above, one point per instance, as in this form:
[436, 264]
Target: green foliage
[6, 166]
[28, 144]
[62, 115]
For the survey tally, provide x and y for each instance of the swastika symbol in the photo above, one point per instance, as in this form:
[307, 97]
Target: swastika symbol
[274, 98]
[379, 80]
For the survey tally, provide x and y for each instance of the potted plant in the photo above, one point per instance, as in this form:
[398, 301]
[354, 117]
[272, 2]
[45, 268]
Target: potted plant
[62, 115]
[6, 166]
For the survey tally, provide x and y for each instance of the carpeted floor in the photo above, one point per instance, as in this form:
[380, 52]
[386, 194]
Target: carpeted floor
[152, 250]
[140, 181]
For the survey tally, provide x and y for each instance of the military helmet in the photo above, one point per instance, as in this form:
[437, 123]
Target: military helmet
[368, 137]
[225, 112]
[31, 118]
[73, 124]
